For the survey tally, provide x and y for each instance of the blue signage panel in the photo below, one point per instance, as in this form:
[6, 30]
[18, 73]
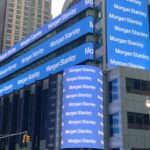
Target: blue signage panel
[75, 31]
[84, 4]
[77, 55]
[127, 33]
[82, 119]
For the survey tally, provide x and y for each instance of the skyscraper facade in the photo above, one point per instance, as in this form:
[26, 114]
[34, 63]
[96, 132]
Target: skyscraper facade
[22, 18]
[68, 4]
[2, 12]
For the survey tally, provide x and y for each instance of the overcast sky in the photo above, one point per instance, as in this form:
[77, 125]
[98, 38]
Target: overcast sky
[57, 7]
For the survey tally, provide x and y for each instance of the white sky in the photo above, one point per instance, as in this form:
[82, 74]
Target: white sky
[57, 7]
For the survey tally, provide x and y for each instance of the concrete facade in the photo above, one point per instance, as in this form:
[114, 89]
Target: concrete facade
[128, 138]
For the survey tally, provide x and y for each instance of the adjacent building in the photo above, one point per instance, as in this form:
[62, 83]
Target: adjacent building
[68, 4]
[21, 18]
[128, 117]
[2, 24]
[73, 86]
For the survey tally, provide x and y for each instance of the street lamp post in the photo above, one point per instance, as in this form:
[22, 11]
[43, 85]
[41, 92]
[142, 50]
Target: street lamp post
[147, 104]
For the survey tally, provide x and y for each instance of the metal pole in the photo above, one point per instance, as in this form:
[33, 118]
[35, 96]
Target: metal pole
[94, 31]
[104, 34]
[10, 135]
[149, 115]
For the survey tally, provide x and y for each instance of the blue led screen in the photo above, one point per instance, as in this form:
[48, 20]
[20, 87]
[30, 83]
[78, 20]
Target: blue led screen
[53, 24]
[82, 119]
[70, 34]
[73, 57]
[127, 33]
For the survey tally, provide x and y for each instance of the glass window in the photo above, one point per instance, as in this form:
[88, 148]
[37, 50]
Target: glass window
[19, 6]
[10, 15]
[138, 121]
[146, 123]
[148, 86]
[144, 86]
[18, 16]
[8, 36]
[137, 84]
[9, 30]
[9, 25]
[129, 84]
[10, 20]
[17, 22]
[32, 14]
[18, 11]
[131, 118]
[11, 3]
[8, 42]
[26, 8]
[113, 90]
[114, 124]
[44, 114]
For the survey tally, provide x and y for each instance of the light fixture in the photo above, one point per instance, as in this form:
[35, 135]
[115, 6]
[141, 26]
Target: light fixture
[147, 104]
